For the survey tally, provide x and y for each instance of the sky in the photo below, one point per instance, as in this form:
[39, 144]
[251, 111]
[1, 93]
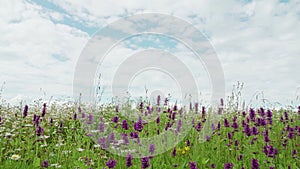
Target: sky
[257, 43]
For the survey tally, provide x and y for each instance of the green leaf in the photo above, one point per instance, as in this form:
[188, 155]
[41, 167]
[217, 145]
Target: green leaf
[37, 162]
[205, 161]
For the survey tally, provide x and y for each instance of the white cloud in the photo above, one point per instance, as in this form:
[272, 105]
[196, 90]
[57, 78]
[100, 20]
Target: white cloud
[257, 42]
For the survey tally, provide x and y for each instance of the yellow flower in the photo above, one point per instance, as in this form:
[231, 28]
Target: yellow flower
[15, 157]
[182, 152]
[187, 148]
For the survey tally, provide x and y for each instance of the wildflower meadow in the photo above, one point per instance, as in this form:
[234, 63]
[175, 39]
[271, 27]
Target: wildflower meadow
[45, 135]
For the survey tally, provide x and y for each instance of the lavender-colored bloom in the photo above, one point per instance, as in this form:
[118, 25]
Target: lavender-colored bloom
[229, 135]
[145, 162]
[90, 119]
[272, 167]
[158, 120]
[25, 111]
[222, 101]
[174, 152]
[117, 108]
[198, 127]
[125, 138]
[179, 124]
[75, 116]
[212, 166]
[286, 116]
[294, 153]
[45, 164]
[255, 130]
[254, 164]
[203, 112]
[207, 138]
[240, 157]
[226, 123]
[235, 125]
[152, 149]
[39, 131]
[228, 166]
[193, 165]
[129, 159]
[101, 127]
[111, 163]
[115, 119]
[188, 143]
[244, 113]
[252, 114]
[138, 126]
[196, 107]
[134, 135]
[44, 110]
[270, 151]
[158, 100]
[125, 125]
[247, 130]
[111, 137]
[102, 142]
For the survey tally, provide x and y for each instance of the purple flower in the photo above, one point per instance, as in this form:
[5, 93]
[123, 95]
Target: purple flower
[270, 151]
[129, 159]
[294, 153]
[45, 164]
[228, 166]
[247, 130]
[152, 149]
[255, 130]
[174, 152]
[207, 138]
[111, 163]
[198, 127]
[145, 162]
[254, 164]
[138, 126]
[193, 165]
[158, 100]
[212, 166]
[44, 110]
[125, 125]
[25, 111]
[188, 143]
[102, 142]
[229, 135]
[101, 127]
[252, 114]
[235, 125]
[125, 138]
[117, 108]
[272, 167]
[158, 120]
[90, 119]
[115, 119]
[226, 123]
[196, 107]
[39, 131]
[240, 157]
[134, 135]
[179, 124]
[111, 137]
[75, 116]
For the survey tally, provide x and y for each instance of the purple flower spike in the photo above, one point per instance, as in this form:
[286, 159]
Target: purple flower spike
[193, 165]
[125, 125]
[111, 163]
[145, 162]
[254, 164]
[44, 110]
[25, 112]
[152, 149]
[174, 152]
[138, 126]
[129, 159]
[228, 166]
[45, 164]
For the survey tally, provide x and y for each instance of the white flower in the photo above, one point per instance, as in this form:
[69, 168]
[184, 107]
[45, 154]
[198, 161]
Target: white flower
[15, 157]
[97, 145]
[80, 149]
[55, 165]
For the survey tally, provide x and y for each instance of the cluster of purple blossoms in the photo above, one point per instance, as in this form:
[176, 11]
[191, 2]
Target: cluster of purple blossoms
[111, 163]
[193, 165]
[145, 162]
[129, 159]
[270, 151]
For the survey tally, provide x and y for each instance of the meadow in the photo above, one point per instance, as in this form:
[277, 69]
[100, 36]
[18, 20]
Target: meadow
[54, 136]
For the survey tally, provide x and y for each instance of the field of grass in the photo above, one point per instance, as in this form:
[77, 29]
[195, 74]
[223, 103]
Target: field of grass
[55, 136]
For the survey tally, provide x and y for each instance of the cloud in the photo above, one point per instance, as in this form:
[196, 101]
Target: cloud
[256, 41]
